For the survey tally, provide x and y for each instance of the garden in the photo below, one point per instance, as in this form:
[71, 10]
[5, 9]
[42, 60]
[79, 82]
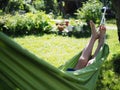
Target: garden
[38, 27]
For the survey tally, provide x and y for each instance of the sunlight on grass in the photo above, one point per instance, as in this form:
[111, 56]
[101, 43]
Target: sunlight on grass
[58, 49]
[52, 48]
[112, 41]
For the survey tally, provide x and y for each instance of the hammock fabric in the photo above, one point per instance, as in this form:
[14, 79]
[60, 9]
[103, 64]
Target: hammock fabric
[21, 70]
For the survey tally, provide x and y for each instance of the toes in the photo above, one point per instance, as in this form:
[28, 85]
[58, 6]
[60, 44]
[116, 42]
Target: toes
[102, 27]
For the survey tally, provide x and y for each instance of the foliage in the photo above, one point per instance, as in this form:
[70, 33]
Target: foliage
[110, 75]
[11, 6]
[116, 63]
[17, 5]
[28, 23]
[91, 10]
[3, 4]
[39, 4]
[46, 5]
[49, 6]
[14, 5]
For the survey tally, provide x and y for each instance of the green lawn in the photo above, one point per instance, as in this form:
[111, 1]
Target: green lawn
[53, 48]
[58, 49]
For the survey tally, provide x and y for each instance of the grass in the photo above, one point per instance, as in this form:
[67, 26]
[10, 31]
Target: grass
[58, 49]
[112, 41]
[52, 48]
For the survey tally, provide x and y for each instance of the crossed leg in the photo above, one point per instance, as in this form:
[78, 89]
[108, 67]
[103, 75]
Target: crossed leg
[100, 43]
[84, 58]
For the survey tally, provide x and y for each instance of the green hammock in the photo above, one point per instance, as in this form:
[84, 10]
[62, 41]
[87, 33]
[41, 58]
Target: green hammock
[21, 70]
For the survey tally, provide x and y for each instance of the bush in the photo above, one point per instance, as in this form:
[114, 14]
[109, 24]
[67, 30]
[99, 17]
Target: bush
[91, 10]
[116, 63]
[28, 23]
[14, 5]
[39, 5]
[108, 79]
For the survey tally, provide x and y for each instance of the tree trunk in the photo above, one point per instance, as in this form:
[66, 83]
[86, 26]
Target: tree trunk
[117, 10]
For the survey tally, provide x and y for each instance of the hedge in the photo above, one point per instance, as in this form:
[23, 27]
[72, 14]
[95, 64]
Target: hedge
[25, 24]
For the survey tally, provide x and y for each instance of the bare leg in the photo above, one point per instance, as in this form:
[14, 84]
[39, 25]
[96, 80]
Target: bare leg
[83, 60]
[102, 30]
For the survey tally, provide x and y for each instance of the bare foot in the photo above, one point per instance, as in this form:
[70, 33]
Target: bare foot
[102, 30]
[94, 33]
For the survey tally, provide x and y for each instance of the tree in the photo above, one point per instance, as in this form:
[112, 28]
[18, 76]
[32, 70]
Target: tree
[49, 5]
[3, 4]
[116, 7]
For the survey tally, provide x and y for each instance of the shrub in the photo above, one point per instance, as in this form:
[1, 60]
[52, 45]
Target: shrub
[91, 10]
[39, 4]
[116, 63]
[28, 23]
[108, 79]
[14, 5]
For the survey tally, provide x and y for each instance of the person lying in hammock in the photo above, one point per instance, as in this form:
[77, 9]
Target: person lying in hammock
[86, 54]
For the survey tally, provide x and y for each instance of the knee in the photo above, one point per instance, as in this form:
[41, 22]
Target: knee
[83, 60]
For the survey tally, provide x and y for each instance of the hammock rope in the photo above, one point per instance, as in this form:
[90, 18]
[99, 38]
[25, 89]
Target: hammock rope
[103, 16]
